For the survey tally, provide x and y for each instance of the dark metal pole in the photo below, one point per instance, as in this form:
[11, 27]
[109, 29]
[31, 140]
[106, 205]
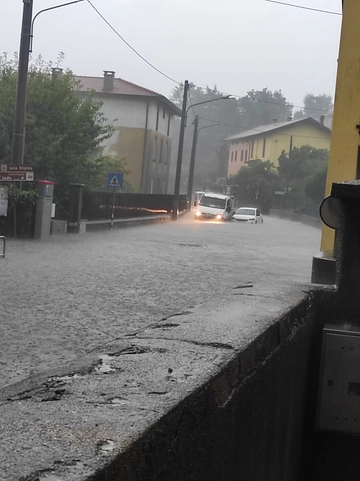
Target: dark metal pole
[288, 173]
[18, 140]
[46, 10]
[180, 153]
[192, 162]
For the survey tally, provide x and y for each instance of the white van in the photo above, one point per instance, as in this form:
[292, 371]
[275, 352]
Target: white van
[215, 207]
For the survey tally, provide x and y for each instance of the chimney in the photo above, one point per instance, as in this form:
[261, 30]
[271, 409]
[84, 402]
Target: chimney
[56, 72]
[322, 119]
[109, 76]
[289, 119]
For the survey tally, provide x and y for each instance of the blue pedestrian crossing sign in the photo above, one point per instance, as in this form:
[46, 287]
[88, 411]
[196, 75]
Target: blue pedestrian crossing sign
[114, 179]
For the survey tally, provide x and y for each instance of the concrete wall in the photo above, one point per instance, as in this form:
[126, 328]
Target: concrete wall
[294, 216]
[247, 423]
[219, 413]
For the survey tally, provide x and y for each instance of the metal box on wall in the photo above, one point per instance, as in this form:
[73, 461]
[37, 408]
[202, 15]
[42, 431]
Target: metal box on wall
[339, 388]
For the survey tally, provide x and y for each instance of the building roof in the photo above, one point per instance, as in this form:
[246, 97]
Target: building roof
[121, 87]
[258, 131]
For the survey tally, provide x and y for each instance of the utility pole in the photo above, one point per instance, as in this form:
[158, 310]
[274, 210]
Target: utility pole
[18, 140]
[288, 171]
[192, 161]
[180, 153]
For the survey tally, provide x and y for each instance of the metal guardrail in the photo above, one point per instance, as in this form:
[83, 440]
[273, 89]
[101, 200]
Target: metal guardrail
[3, 246]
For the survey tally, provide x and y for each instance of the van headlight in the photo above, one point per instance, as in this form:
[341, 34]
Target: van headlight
[219, 216]
[198, 213]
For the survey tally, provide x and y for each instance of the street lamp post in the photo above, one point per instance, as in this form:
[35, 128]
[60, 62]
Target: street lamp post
[46, 10]
[193, 155]
[181, 144]
[193, 149]
[18, 140]
[180, 152]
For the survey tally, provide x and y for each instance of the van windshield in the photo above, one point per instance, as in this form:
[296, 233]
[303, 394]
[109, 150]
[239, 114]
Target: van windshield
[214, 202]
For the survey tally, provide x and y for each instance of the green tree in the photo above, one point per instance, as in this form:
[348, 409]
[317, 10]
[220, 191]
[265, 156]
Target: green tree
[315, 186]
[256, 184]
[261, 107]
[305, 161]
[64, 133]
[315, 106]
[304, 174]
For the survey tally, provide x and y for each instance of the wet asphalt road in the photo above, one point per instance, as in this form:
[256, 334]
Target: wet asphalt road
[62, 298]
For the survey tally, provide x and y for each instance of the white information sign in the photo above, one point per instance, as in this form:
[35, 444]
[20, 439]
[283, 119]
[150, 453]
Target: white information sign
[4, 193]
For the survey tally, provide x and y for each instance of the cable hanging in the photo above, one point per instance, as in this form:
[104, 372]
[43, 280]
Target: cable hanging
[130, 46]
[192, 84]
[304, 8]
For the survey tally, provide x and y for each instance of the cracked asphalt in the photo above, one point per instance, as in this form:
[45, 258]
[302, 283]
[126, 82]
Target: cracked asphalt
[63, 298]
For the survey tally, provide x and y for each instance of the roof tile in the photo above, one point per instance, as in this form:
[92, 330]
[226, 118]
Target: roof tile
[275, 126]
[121, 86]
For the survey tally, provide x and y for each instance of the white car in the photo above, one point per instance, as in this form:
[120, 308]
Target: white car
[250, 215]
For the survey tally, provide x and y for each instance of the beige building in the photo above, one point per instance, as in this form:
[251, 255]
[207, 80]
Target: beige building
[268, 141]
[142, 120]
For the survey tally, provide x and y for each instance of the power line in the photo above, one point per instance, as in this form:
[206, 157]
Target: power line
[303, 7]
[282, 104]
[130, 46]
[176, 81]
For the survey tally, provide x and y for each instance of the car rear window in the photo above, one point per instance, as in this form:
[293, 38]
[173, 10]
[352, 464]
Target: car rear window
[246, 211]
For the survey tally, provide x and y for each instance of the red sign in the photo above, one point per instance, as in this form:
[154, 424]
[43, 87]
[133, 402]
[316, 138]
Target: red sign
[12, 176]
[16, 176]
[16, 168]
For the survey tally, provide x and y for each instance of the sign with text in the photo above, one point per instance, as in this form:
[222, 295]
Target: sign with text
[16, 168]
[16, 176]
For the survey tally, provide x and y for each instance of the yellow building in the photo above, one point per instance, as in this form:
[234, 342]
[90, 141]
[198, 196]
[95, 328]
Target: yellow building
[268, 141]
[344, 159]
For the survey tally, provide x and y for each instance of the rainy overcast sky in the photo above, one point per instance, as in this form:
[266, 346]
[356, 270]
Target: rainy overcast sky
[236, 45]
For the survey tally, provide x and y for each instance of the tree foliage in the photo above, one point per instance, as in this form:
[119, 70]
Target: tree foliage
[305, 173]
[256, 183]
[261, 107]
[304, 162]
[218, 120]
[315, 106]
[64, 133]
[315, 187]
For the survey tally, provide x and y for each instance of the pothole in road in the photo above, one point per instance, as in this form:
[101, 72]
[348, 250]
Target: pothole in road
[188, 245]
[103, 365]
[106, 446]
[166, 325]
[50, 477]
[244, 286]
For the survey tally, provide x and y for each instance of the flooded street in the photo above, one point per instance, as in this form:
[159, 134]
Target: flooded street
[62, 298]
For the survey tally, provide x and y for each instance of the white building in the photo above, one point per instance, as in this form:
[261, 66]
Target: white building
[143, 123]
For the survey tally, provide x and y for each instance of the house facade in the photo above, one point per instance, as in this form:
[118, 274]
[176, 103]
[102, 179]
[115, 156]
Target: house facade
[268, 141]
[142, 121]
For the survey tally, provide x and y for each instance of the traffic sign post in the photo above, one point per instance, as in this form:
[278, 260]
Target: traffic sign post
[114, 180]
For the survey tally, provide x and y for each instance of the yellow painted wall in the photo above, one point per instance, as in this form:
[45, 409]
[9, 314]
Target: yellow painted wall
[276, 142]
[343, 158]
[128, 143]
